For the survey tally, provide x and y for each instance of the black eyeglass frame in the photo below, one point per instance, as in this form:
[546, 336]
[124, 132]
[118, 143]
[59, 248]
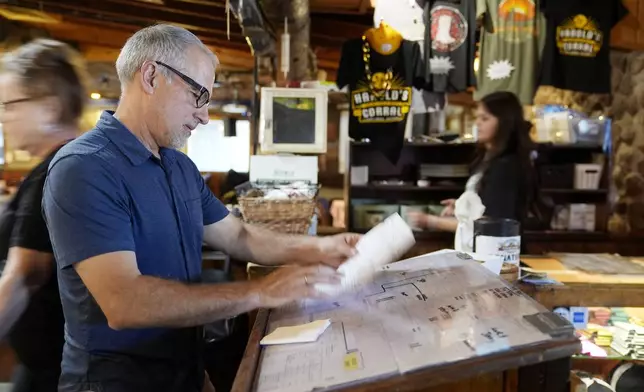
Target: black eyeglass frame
[203, 95]
[3, 105]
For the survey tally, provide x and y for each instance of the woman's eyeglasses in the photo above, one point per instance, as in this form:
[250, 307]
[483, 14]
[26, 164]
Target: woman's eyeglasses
[3, 105]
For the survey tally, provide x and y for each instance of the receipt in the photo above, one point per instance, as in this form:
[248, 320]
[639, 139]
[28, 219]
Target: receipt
[383, 244]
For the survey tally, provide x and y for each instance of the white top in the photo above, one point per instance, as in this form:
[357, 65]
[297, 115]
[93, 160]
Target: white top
[473, 182]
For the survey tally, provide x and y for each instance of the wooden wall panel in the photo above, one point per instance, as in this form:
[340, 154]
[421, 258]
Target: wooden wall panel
[629, 33]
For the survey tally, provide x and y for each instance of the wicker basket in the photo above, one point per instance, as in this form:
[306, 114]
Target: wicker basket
[286, 216]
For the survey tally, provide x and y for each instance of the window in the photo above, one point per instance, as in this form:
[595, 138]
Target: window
[211, 151]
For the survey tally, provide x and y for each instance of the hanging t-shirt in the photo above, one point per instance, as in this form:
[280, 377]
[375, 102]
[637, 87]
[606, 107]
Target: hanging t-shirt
[453, 45]
[577, 52]
[380, 92]
[512, 37]
[404, 16]
[408, 18]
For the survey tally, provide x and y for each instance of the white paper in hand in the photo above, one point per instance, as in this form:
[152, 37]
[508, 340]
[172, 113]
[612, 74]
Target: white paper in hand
[304, 333]
[383, 244]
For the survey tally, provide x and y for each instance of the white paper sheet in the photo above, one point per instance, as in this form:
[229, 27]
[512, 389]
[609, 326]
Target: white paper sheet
[400, 322]
[303, 333]
[436, 260]
[382, 245]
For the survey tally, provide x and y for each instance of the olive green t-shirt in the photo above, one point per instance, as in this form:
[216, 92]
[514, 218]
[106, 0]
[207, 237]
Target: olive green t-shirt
[512, 39]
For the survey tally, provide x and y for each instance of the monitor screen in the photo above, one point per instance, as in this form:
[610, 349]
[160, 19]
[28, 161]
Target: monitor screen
[293, 120]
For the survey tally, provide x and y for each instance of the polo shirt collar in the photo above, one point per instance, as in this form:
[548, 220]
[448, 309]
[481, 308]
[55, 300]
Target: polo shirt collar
[124, 139]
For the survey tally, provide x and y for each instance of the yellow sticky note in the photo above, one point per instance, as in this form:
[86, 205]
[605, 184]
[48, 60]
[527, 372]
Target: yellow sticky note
[352, 361]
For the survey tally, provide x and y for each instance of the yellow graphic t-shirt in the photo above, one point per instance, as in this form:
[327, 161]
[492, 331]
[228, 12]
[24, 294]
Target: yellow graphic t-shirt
[576, 55]
[380, 93]
[579, 35]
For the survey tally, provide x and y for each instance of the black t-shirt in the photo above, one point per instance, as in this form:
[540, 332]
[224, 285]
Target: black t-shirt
[576, 55]
[453, 45]
[379, 109]
[38, 336]
[501, 190]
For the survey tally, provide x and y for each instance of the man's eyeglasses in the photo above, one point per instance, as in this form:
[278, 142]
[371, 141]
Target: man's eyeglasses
[202, 93]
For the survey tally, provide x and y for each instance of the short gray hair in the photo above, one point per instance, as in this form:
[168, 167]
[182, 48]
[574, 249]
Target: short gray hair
[162, 42]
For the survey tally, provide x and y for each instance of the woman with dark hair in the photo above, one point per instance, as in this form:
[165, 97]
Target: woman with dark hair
[42, 96]
[502, 173]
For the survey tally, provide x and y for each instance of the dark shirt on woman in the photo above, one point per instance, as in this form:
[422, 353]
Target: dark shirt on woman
[501, 189]
[37, 338]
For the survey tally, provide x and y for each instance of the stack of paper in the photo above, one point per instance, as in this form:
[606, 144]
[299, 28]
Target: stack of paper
[304, 333]
[628, 339]
[383, 244]
[636, 321]
[601, 336]
[618, 315]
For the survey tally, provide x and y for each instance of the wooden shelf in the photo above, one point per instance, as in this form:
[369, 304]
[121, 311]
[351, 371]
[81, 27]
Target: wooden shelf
[576, 191]
[454, 188]
[420, 144]
[409, 188]
[575, 146]
[399, 192]
[540, 146]
[416, 153]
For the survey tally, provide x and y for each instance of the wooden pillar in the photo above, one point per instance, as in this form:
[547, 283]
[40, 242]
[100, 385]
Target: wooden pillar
[299, 25]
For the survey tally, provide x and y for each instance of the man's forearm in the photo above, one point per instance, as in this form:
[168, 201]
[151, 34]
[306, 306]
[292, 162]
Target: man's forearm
[270, 248]
[155, 302]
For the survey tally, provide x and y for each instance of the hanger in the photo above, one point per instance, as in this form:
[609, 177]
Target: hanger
[384, 39]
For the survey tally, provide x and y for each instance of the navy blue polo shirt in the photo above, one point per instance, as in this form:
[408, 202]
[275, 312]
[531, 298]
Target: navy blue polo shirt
[105, 192]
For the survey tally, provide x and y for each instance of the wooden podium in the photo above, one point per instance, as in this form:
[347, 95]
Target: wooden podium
[436, 323]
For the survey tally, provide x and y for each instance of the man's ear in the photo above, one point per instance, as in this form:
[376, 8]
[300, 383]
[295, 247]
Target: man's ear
[149, 76]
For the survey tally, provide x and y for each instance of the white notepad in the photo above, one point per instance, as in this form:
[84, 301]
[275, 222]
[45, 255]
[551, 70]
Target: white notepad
[305, 333]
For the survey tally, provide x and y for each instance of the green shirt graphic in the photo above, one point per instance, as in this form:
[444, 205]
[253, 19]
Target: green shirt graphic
[512, 39]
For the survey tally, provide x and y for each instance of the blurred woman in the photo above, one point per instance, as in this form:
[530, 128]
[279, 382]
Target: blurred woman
[502, 173]
[42, 96]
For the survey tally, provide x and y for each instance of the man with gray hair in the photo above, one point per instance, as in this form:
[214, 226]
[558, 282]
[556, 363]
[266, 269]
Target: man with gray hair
[128, 215]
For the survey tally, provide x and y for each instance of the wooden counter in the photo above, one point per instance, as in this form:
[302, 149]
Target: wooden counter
[584, 289]
[542, 242]
[542, 366]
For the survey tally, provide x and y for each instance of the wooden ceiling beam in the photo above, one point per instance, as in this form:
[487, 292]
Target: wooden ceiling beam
[364, 6]
[329, 28]
[115, 34]
[133, 12]
[230, 60]
[99, 54]
[210, 3]
[204, 9]
[103, 45]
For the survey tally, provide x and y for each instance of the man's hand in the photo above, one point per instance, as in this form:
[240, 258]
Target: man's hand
[335, 250]
[252, 243]
[289, 284]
